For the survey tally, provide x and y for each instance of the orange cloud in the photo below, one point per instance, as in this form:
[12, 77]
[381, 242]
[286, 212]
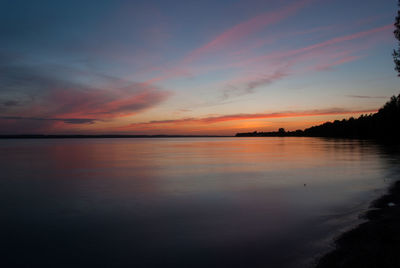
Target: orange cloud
[235, 117]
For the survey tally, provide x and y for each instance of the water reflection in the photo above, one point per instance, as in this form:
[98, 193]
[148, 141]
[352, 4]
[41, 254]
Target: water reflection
[215, 202]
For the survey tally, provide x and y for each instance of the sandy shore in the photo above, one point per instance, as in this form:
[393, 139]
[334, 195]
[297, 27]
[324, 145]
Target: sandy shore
[375, 243]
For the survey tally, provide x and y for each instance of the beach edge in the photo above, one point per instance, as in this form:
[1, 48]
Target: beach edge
[374, 243]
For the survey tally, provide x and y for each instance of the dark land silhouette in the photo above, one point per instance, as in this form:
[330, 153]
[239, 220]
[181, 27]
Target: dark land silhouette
[385, 124]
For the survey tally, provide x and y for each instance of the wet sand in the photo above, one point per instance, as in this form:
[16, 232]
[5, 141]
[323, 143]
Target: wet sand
[375, 243]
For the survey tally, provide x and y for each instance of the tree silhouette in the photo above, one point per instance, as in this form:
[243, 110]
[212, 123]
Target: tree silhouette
[396, 52]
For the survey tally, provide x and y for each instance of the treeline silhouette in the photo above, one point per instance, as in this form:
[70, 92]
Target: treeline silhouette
[385, 124]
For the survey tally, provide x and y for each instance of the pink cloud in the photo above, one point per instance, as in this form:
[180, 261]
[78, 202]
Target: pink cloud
[65, 100]
[342, 39]
[245, 29]
[317, 57]
[280, 55]
[329, 65]
[231, 36]
[104, 103]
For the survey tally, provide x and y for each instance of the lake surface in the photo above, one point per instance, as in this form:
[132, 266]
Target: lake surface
[183, 202]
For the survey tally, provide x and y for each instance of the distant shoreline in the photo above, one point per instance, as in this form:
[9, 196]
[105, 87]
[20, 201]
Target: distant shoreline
[40, 137]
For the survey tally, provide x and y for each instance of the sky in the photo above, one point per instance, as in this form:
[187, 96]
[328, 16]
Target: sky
[191, 67]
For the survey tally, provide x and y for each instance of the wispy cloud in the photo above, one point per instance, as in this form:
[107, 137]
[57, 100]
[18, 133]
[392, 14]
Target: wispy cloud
[278, 65]
[246, 28]
[105, 103]
[341, 39]
[340, 61]
[366, 97]
[247, 85]
[288, 54]
[228, 38]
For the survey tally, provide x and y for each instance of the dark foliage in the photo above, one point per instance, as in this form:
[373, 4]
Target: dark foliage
[396, 52]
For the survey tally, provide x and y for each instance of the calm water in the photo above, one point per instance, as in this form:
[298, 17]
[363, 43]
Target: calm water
[193, 202]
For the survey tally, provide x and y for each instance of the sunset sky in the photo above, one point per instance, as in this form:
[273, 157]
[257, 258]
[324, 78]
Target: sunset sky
[191, 67]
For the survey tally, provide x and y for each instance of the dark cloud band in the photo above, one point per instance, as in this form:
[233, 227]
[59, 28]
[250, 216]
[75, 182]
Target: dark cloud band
[65, 120]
